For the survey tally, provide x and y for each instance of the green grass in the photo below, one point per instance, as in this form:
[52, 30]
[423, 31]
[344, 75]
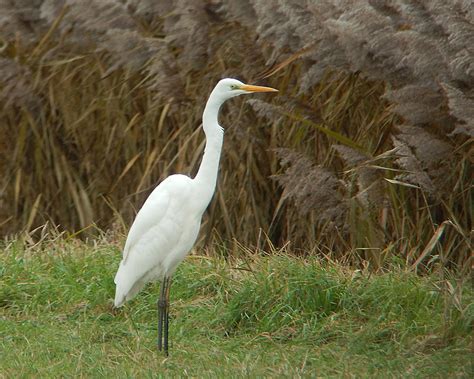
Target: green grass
[266, 316]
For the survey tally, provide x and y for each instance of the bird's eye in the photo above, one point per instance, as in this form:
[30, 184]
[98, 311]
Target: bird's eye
[233, 86]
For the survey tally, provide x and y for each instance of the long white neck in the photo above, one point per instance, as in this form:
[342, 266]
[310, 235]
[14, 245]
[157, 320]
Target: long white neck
[206, 177]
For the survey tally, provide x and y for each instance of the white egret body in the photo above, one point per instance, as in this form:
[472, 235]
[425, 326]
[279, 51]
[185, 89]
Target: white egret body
[166, 227]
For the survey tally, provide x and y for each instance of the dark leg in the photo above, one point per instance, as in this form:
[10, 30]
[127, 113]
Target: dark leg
[167, 313]
[161, 313]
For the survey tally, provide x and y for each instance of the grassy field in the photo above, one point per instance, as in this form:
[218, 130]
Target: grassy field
[260, 316]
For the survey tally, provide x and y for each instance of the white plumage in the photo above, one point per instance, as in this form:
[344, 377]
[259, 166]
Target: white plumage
[167, 225]
[163, 232]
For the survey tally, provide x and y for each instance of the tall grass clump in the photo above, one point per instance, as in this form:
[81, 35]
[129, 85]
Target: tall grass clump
[365, 155]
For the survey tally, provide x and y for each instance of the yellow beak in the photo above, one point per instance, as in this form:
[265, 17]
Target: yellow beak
[249, 88]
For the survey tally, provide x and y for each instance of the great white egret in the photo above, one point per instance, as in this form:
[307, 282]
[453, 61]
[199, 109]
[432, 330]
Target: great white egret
[166, 227]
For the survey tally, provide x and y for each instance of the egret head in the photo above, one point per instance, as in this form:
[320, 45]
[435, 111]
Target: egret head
[227, 88]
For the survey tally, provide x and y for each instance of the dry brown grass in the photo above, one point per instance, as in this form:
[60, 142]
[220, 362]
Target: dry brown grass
[93, 118]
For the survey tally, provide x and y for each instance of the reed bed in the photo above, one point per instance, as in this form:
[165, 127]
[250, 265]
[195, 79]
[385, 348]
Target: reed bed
[365, 156]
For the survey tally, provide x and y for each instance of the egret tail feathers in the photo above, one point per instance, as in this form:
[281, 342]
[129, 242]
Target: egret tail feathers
[127, 287]
[125, 294]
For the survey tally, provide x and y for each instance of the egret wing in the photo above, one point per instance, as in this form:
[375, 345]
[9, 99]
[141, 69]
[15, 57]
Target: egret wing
[151, 214]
